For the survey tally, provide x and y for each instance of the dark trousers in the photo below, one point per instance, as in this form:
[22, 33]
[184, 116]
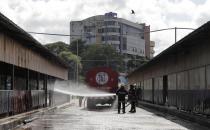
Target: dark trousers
[119, 106]
[133, 106]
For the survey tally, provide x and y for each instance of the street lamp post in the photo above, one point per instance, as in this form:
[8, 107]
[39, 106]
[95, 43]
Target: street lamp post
[175, 33]
[77, 77]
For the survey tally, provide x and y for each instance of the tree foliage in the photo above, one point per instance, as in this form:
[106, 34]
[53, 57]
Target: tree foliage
[93, 55]
[70, 58]
[57, 47]
[101, 55]
[62, 50]
[134, 62]
[77, 43]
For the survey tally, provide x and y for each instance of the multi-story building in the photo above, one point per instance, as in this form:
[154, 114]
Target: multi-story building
[125, 36]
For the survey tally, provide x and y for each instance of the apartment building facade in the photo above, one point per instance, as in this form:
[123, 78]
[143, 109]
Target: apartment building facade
[125, 36]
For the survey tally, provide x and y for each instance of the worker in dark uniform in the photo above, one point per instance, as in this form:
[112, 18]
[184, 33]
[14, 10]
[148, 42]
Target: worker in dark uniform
[132, 97]
[121, 93]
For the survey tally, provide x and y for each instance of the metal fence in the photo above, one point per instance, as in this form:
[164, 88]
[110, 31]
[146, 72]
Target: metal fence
[14, 102]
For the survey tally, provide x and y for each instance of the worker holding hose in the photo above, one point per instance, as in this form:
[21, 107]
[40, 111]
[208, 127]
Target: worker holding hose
[132, 98]
[121, 93]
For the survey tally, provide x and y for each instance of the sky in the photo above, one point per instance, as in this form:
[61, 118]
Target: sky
[54, 16]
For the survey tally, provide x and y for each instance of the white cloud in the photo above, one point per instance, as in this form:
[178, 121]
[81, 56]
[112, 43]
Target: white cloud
[53, 16]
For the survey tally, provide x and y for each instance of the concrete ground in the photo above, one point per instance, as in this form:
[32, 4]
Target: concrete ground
[104, 118]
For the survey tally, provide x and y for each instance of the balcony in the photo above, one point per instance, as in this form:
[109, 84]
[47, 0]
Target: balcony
[110, 33]
[111, 42]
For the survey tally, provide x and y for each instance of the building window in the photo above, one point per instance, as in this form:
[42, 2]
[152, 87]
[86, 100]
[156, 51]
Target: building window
[100, 30]
[33, 84]
[110, 38]
[8, 82]
[87, 29]
[124, 46]
[115, 46]
[5, 82]
[20, 83]
[41, 82]
[107, 30]
[2, 82]
[106, 23]
[134, 49]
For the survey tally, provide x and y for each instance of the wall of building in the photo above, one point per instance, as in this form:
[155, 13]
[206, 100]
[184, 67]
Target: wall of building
[135, 42]
[76, 30]
[125, 36]
[13, 52]
[27, 72]
[184, 73]
[192, 57]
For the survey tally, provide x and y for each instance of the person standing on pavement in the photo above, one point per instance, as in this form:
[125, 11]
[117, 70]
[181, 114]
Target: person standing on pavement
[80, 101]
[132, 97]
[121, 93]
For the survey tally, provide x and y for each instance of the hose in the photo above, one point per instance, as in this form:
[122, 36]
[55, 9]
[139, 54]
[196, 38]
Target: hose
[127, 104]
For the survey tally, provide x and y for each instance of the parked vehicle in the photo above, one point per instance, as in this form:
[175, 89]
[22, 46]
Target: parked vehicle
[104, 79]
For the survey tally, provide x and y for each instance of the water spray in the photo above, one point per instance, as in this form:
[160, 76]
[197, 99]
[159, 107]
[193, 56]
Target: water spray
[80, 89]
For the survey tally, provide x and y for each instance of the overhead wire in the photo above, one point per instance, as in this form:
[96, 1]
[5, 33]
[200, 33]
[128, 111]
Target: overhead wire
[131, 34]
[69, 35]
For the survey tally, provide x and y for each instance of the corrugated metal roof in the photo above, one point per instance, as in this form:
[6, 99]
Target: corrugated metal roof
[13, 30]
[201, 32]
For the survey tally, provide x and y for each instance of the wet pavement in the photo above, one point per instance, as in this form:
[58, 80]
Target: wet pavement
[79, 118]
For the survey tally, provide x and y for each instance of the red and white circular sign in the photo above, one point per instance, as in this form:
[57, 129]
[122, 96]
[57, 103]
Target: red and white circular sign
[102, 78]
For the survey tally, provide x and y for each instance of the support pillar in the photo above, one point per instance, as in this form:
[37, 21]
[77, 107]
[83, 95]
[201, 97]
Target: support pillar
[37, 80]
[37, 88]
[28, 92]
[13, 77]
[12, 88]
[45, 89]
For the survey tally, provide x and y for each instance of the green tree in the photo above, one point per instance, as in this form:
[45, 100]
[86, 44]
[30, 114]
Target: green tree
[101, 55]
[73, 61]
[62, 50]
[135, 61]
[77, 43]
[57, 47]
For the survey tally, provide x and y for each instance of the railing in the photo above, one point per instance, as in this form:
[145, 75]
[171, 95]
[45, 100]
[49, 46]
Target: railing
[15, 101]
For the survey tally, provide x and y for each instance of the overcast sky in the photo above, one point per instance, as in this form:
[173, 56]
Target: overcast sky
[53, 16]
